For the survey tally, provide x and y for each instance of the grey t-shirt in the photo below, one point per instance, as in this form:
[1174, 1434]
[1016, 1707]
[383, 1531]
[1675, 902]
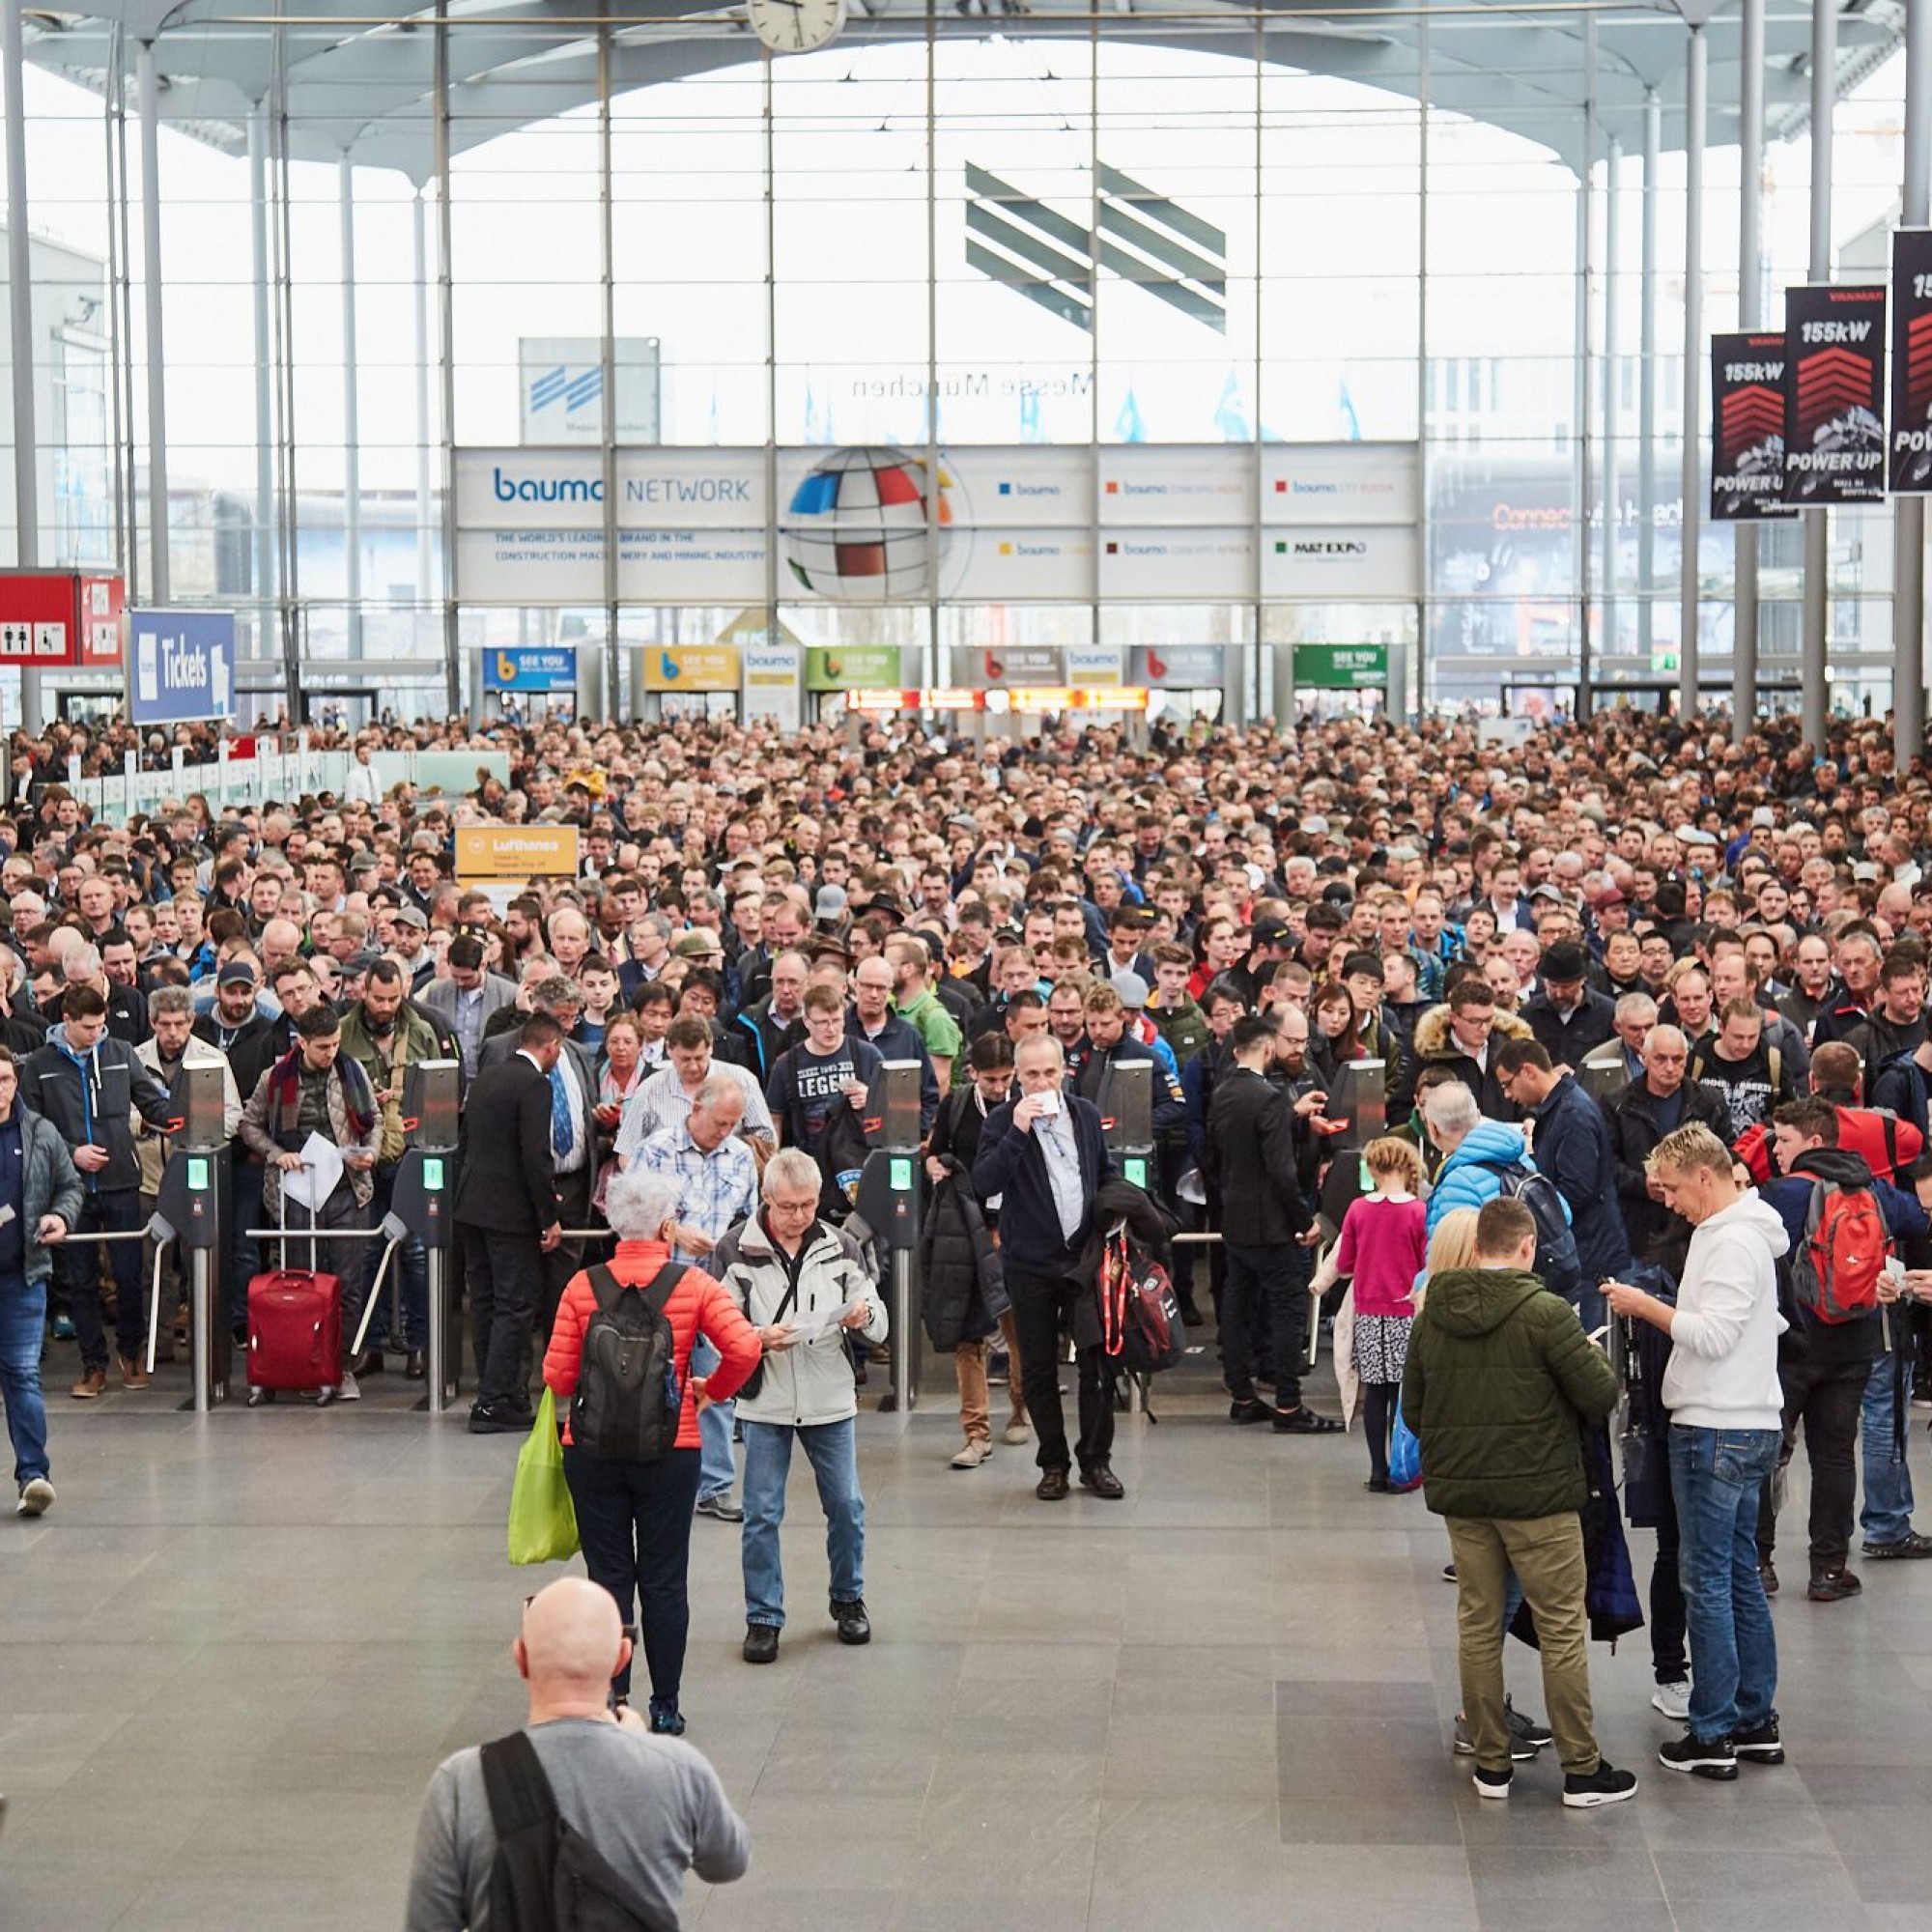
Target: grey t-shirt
[651, 1806]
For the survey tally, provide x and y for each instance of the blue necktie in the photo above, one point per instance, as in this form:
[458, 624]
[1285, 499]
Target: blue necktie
[561, 1136]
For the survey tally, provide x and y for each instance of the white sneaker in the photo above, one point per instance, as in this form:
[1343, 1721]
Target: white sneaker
[35, 1497]
[973, 1455]
[1016, 1434]
[1673, 1700]
[348, 1389]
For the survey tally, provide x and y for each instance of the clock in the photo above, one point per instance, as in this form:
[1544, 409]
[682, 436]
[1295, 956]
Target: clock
[796, 26]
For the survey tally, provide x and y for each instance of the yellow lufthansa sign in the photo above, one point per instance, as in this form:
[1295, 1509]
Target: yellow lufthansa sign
[486, 852]
[691, 668]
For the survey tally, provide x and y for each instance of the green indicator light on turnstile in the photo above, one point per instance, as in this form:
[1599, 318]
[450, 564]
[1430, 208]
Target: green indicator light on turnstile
[432, 1174]
[197, 1175]
[901, 1177]
[1137, 1172]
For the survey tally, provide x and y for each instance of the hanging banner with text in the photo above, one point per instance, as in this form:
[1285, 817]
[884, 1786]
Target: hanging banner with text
[1834, 395]
[1747, 428]
[1911, 362]
[184, 666]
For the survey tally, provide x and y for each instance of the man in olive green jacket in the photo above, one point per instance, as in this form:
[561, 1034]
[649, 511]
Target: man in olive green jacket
[1499, 1377]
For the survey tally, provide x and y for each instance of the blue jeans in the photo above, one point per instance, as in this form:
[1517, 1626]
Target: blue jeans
[1715, 1476]
[718, 1467]
[832, 1448]
[23, 1322]
[1887, 1515]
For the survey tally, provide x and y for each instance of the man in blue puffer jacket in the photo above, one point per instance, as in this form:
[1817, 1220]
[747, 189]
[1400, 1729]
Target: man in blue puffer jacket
[1472, 1149]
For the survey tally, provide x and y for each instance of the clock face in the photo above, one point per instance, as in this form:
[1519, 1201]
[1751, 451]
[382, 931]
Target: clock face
[795, 26]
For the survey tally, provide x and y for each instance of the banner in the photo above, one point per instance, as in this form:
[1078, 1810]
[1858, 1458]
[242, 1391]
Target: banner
[1358, 561]
[1093, 665]
[486, 852]
[184, 666]
[1007, 664]
[1178, 667]
[851, 666]
[771, 680]
[1911, 362]
[530, 667]
[1747, 428]
[1834, 395]
[674, 668]
[1341, 667]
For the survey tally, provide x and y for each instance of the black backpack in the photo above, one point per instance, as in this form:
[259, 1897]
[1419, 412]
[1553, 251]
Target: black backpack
[1558, 1265]
[628, 1401]
[546, 1877]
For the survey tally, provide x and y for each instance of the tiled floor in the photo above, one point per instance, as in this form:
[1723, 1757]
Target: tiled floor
[232, 1655]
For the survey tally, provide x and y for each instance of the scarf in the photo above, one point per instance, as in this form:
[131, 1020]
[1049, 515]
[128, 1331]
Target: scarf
[358, 1097]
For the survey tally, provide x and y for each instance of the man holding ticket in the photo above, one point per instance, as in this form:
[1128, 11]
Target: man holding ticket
[801, 1285]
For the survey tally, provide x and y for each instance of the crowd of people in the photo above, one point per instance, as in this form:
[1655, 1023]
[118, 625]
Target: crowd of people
[1481, 1057]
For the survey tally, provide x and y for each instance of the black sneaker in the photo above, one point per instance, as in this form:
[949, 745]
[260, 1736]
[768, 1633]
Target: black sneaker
[720, 1509]
[1493, 1783]
[854, 1625]
[761, 1643]
[1766, 1574]
[1714, 1758]
[1833, 1586]
[1605, 1786]
[1759, 1744]
[1525, 1727]
[1908, 1547]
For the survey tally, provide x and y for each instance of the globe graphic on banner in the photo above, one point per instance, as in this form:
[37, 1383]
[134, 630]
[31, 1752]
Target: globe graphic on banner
[855, 529]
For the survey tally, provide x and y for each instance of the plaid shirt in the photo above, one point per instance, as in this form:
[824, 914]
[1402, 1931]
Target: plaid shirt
[716, 1190]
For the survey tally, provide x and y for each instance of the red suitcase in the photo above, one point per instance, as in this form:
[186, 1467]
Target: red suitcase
[295, 1328]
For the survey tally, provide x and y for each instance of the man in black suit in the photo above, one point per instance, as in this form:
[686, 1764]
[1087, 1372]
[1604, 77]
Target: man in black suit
[506, 1213]
[1251, 1147]
[1044, 1153]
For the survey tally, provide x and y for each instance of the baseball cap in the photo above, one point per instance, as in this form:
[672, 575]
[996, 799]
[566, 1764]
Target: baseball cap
[1133, 989]
[1268, 932]
[830, 903]
[1612, 898]
[359, 962]
[699, 943]
[235, 972]
[409, 915]
[1763, 816]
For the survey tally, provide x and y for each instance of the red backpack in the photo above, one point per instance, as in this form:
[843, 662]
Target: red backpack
[1837, 1270]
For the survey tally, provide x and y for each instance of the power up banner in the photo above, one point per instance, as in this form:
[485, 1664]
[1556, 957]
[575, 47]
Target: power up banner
[1747, 428]
[868, 524]
[1834, 395]
[1911, 362]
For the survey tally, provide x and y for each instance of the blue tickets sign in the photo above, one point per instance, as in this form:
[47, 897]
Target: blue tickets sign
[181, 667]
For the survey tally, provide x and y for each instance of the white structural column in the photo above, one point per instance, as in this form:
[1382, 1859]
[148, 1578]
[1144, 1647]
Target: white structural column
[21, 330]
[1750, 315]
[1908, 607]
[1817, 530]
[264, 413]
[159, 578]
[1695, 84]
[352, 434]
[1612, 491]
[1646, 380]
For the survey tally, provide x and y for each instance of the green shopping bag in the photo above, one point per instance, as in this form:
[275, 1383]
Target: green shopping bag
[542, 1523]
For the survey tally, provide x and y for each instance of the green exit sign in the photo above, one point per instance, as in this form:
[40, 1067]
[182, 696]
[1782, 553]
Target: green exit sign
[901, 1177]
[432, 1175]
[197, 1175]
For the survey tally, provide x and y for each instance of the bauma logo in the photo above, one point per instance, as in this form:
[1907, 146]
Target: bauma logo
[546, 489]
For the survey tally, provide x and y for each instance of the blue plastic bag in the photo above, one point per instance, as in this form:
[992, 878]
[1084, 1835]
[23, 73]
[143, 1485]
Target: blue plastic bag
[1404, 1456]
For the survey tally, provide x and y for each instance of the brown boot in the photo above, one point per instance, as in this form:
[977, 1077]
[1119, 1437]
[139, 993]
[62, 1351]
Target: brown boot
[133, 1373]
[93, 1383]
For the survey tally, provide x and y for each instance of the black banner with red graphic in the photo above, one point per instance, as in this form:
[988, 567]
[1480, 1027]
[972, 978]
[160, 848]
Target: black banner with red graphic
[1833, 396]
[1911, 362]
[1747, 428]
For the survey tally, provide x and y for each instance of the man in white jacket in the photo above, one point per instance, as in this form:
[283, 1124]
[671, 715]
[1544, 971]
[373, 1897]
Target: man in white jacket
[804, 1286]
[1725, 1403]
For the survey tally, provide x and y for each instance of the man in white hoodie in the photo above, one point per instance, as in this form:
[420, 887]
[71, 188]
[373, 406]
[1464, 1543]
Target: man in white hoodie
[1722, 1391]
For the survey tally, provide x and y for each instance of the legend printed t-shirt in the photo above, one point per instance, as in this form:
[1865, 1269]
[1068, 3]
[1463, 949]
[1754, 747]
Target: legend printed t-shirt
[804, 1088]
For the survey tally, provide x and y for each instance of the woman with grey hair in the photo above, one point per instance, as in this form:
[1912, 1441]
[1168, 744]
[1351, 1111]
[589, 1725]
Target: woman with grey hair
[634, 1518]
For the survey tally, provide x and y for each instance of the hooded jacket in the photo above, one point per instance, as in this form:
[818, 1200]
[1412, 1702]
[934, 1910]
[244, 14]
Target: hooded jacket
[1434, 1045]
[1500, 1373]
[1722, 1372]
[93, 1097]
[1468, 1178]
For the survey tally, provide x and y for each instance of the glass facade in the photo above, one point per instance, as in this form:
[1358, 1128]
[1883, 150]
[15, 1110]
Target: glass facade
[454, 235]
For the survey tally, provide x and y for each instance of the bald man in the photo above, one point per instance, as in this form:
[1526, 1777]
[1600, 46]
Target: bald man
[650, 1806]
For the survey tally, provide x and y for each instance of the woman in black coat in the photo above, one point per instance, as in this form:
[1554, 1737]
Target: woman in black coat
[964, 1291]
